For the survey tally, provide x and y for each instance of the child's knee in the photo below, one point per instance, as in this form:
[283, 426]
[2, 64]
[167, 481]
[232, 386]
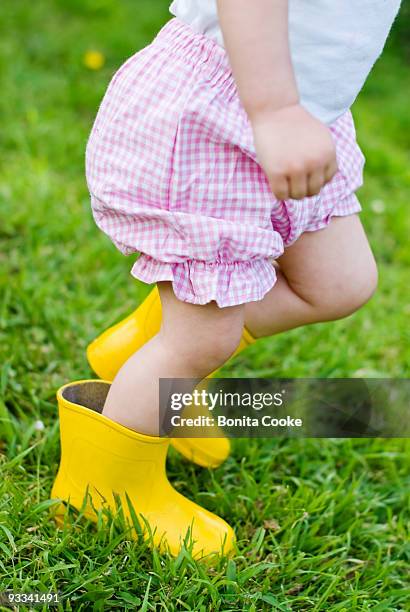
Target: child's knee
[349, 292]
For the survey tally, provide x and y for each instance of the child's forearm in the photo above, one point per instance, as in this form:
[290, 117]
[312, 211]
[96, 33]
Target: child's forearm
[256, 38]
[295, 150]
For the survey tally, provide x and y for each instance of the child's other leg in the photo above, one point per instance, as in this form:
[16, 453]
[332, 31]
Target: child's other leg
[193, 342]
[324, 276]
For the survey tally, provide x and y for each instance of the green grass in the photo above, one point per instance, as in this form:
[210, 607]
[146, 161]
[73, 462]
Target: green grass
[321, 524]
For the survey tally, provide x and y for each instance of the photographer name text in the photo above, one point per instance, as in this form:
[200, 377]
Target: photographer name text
[244, 421]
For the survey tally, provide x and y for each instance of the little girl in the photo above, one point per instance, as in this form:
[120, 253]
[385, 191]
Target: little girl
[225, 154]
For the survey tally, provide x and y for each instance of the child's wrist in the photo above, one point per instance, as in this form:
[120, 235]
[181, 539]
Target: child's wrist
[262, 111]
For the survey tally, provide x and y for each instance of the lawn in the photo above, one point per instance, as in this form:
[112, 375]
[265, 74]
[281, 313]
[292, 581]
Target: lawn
[321, 524]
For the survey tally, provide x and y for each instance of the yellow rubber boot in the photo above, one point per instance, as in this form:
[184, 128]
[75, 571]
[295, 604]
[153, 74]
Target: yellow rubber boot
[107, 353]
[102, 457]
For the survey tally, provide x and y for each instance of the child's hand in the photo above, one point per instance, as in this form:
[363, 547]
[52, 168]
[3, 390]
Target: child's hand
[296, 151]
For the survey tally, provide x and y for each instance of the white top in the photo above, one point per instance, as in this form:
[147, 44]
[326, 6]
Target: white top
[334, 45]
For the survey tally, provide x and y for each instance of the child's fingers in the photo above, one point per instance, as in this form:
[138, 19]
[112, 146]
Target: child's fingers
[316, 180]
[280, 187]
[298, 185]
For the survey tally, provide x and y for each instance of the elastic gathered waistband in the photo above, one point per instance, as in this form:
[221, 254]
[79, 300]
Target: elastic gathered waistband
[192, 45]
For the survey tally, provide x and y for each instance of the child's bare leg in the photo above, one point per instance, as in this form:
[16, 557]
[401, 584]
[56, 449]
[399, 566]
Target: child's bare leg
[324, 276]
[193, 341]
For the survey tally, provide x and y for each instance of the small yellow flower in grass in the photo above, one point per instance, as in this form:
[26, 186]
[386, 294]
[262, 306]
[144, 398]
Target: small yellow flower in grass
[94, 60]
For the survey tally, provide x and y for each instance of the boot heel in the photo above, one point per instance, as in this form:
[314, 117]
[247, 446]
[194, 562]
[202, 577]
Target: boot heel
[57, 514]
[60, 516]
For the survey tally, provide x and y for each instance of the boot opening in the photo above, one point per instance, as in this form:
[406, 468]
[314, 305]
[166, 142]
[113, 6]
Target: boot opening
[91, 394]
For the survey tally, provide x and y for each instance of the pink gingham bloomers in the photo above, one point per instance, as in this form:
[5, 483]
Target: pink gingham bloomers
[173, 175]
